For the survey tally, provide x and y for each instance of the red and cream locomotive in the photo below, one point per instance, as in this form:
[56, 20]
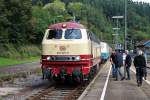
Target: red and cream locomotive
[69, 50]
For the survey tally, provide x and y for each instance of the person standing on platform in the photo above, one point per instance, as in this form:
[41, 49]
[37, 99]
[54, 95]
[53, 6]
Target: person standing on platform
[119, 64]
[124, 58]
[113, 62]
[140, 65]
[128, 62]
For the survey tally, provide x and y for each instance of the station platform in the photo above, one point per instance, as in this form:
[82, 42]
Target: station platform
[104, 87]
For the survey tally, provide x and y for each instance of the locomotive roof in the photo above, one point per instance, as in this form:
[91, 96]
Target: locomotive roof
[68, 25]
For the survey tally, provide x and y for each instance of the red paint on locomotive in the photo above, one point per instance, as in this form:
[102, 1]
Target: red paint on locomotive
[86, 61]
[69, 25]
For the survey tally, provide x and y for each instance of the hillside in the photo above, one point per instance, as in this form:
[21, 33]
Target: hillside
[24, 22]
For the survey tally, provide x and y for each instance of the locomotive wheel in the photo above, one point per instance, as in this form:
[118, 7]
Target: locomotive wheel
[46, 74]
[69, 79]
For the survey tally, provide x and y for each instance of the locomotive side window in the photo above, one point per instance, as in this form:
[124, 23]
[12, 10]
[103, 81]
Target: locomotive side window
[88, 34]
[73, 34]
[93, 37]
[54, 34]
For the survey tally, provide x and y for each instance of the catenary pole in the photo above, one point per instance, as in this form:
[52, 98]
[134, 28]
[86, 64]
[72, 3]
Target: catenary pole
[125, 35]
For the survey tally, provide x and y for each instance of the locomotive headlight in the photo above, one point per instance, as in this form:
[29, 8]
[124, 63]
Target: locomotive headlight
[77, 58]
[48, 58]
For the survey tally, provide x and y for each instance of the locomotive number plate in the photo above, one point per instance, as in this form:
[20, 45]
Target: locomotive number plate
[62, 52]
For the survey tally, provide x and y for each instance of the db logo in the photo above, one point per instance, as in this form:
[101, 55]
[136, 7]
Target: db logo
[62, 48]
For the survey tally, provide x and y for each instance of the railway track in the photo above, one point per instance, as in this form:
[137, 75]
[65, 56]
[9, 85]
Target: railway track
[59, 92]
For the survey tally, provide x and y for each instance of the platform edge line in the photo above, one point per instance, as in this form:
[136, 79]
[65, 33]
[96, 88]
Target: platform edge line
[105, 86]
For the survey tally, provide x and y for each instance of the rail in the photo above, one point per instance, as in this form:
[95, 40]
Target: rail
[59, 92]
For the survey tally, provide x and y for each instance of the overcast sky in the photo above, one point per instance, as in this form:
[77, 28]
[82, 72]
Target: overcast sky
[142, 0]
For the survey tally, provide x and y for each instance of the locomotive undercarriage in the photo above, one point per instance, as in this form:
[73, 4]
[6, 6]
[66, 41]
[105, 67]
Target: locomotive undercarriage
[76, 75]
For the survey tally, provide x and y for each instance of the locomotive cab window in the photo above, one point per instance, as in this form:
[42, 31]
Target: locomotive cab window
[73, 34]
[54, 34]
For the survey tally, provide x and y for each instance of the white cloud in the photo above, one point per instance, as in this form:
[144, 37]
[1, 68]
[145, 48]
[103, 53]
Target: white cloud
[148, 1]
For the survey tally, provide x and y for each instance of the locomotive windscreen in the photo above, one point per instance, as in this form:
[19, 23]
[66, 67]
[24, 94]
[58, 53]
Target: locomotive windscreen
[55, 34]
[68, 34]
[73, 34]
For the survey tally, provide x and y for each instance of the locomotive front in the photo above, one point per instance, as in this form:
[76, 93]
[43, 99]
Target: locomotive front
[66, 52]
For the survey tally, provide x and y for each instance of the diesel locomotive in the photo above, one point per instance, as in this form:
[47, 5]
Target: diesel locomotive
[70, 51]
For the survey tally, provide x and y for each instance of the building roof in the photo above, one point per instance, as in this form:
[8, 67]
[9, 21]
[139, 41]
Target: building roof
[144, 43]
[66, 25]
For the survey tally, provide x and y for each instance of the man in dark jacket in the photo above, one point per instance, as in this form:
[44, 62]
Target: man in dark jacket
[128, 62]
[119, 64]
[140, 65]
[113, 62]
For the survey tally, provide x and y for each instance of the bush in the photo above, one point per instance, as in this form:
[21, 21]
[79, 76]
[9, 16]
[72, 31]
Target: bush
[29, 51]
[9, 51]
[15, 51]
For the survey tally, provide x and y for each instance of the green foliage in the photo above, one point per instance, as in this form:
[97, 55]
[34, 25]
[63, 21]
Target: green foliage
[8, 50]
[40, 21]
[22, 23]
[15, 20]
[139, 35]
[97, 22]
[19, 51]
[29, 51]
[56, 8]
[3, 20]
[57, 11]
[97, 16]
[75, 8]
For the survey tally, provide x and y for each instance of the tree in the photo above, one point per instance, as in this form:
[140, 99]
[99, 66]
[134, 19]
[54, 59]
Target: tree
[4, 22]
[75, 9]
[16, 20]
[41, 18]
[56, 8]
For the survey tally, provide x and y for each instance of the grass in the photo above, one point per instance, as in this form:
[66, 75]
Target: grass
[4, 62]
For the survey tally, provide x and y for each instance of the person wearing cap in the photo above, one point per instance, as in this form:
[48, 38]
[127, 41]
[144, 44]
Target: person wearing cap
[128, 62]
[140, 65]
